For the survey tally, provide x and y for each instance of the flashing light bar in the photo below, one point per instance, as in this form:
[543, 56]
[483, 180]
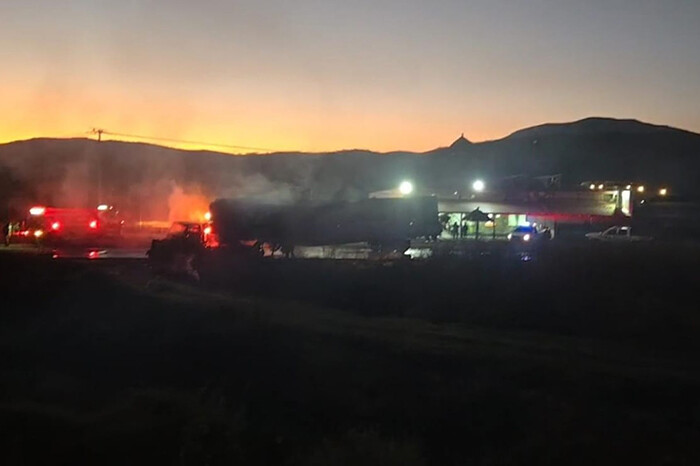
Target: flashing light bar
[37, 210]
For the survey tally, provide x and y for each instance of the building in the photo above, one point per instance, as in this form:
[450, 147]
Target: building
[593, 206]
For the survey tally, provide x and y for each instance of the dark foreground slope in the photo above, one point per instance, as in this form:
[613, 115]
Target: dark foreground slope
[103, 366]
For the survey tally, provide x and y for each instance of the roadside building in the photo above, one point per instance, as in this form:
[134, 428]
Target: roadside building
[560, 211]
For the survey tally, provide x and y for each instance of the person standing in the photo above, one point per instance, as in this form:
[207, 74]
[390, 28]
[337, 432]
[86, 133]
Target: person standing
[455, 230]
[7, 232]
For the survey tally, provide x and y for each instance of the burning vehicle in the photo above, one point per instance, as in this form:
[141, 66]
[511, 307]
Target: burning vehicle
[255, 229]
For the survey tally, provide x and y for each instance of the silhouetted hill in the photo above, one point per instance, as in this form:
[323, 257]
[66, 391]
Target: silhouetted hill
[460, 143]
[65, 171]
[598, 148]
[593, 125]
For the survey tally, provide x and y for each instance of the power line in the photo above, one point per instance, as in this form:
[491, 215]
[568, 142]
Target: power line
[180, 141]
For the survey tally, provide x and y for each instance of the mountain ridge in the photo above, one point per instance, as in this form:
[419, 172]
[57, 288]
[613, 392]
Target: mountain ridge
[583, 126]
[595, 125]
[52, 170]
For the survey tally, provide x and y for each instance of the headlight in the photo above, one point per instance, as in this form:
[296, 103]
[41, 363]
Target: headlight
[526, 237]
[510, 236]
[38, 233]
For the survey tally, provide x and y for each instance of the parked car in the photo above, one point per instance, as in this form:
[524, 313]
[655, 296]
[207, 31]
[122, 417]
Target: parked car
[527, 234]
[617, 234]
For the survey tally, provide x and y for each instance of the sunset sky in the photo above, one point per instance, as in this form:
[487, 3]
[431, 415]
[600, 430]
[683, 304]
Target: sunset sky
[319, 75]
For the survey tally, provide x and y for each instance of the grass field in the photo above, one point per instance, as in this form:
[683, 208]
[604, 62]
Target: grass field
[581, 356]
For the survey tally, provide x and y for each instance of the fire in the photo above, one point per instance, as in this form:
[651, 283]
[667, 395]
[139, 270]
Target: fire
[191, 206]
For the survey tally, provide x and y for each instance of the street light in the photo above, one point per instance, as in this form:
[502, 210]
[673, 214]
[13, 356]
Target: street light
[478, 186]
[406, 188]
[663, 191]
[640, 189]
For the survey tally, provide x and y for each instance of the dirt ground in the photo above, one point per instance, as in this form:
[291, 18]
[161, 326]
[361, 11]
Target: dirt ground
[577, 355]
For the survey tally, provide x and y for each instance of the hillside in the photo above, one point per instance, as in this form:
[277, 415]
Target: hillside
[66, 171]
[589, 126]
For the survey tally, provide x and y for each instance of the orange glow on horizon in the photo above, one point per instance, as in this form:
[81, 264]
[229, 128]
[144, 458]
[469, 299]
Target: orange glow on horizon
[262, 146]
[276, 126]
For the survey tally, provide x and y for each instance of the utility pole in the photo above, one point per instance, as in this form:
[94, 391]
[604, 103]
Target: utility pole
[99, 132]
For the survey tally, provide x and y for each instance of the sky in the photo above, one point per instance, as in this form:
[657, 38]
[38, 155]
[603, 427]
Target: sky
[321, 75]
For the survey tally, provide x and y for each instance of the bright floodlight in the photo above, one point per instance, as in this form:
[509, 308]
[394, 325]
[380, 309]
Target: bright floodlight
[663, 191]
[478, 186]
[37, 211]
[207, 216]
[406, 188]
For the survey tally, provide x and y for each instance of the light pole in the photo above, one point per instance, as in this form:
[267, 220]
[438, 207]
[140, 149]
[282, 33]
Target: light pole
[406, 188]
[98, 132]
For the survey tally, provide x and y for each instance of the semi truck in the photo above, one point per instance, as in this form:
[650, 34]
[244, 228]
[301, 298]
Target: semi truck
[248, 228]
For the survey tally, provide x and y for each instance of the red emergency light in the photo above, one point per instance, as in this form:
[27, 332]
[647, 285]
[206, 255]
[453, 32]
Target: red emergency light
[55, 226]
[93, 224]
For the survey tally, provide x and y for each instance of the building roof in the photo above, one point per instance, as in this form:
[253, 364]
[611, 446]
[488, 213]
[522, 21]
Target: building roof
[549, 207]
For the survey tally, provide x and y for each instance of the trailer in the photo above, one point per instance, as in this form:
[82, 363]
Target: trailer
[384, 224]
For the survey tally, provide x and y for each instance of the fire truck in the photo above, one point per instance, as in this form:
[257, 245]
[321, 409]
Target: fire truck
[56, 225]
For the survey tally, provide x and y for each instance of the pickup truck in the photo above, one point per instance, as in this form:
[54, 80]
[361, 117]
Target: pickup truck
[617, 234]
